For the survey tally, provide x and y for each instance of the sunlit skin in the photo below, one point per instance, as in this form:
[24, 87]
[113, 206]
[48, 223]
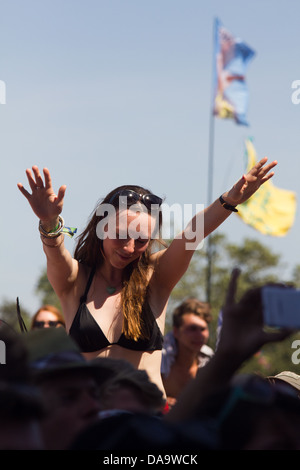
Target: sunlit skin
[123, 249]
[118, 253]
[68, 277]
[190, 336]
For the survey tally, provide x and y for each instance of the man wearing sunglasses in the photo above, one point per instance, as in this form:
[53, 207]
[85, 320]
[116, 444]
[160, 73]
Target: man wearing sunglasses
[115, 289]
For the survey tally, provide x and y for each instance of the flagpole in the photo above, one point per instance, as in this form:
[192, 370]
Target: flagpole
[209, 201]
[210, 177]
[240, 117]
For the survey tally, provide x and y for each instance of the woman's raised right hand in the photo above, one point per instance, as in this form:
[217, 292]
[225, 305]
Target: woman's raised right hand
[44, 202]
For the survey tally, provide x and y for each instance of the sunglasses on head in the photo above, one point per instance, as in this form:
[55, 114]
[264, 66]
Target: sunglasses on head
[41, 324]
[132, 197]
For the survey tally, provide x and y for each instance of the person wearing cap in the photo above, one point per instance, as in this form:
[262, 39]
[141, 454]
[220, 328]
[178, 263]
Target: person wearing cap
[131, 390]
[21, 408]
[289, 379]
[68, 384]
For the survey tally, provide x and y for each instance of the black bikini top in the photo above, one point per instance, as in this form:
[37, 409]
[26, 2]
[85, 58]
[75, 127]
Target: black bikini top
[86, 332]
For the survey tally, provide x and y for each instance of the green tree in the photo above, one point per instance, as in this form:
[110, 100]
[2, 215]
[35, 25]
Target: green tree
[258, 265]
[45, 291]
[274, 358]
[296, 276]
[9, 314]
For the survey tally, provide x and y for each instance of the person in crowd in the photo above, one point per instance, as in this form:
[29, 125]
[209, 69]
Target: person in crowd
[241, 336]
[21, 409]
[242, 409]
[287, 379]
[67, 382]
[221, 408]
[47, 316]
[185, 346]
[131, 390]
[251, 413]
[21, 413]
[115, 289]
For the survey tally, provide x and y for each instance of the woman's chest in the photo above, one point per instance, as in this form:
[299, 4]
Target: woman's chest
[108, 315]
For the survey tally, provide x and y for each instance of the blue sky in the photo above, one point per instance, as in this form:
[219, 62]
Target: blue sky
[110, 92]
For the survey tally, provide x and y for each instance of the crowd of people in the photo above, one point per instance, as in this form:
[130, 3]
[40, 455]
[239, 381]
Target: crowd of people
[104, 375]
[53, 398]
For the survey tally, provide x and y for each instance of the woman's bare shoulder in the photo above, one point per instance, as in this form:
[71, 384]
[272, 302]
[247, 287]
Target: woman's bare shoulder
[155, 257]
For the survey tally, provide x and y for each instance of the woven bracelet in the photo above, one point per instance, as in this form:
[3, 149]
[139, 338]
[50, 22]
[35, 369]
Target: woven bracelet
[58, 230]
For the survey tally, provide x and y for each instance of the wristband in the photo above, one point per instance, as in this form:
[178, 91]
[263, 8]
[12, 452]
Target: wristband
[58, 230]
[227, 206]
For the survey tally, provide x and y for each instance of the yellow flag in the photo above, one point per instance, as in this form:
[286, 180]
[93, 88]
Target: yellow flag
[270, 210]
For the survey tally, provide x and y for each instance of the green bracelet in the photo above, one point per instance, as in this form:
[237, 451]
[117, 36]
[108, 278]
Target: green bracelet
[56, 228]
[60, 228]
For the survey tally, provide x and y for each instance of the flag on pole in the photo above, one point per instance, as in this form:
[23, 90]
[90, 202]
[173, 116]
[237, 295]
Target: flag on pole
[270, 210]
[231, 58]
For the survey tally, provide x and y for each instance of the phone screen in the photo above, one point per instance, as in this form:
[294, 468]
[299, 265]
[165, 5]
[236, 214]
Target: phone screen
[281, 307]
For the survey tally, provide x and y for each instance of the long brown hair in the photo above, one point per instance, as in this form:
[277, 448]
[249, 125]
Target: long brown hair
[89, 251]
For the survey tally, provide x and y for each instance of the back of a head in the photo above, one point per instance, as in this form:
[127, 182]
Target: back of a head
[14, 355]
[147, 396]
[51, 351]
[252, 414]
[21, 408]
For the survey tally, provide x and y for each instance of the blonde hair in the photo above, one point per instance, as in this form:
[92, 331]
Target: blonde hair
[137, 316]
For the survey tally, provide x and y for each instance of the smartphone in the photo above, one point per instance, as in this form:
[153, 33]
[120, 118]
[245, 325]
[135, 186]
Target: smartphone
[281, 307]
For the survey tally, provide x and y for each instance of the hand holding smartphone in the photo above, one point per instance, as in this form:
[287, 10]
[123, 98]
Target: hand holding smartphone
[281, 307]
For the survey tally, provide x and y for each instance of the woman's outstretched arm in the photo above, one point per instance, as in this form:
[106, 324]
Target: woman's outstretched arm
[174, 261]
[62, 269]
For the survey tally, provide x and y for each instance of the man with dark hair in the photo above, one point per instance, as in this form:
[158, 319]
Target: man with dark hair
[185, 348]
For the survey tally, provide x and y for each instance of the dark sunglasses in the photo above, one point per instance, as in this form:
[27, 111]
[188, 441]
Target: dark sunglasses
[132, 197]
[41, 324]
